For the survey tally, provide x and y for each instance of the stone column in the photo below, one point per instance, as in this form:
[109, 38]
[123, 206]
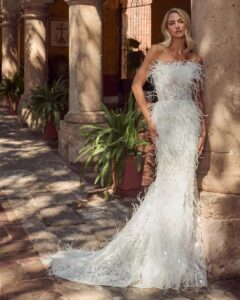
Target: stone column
[9, 18]
[85, 73]
[216, 28]
[35, 41]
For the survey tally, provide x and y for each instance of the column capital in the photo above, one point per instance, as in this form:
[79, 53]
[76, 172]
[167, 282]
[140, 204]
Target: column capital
[9, 18]
[35, 9]
[84, 2]
[9, 12]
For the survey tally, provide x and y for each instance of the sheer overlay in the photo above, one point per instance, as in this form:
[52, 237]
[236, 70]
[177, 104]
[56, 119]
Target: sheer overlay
[160, 245]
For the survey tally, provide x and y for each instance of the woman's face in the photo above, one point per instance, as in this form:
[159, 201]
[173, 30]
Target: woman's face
[176, 26]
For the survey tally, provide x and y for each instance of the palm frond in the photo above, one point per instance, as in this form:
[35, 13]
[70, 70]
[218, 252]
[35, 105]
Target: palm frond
[113, 141]
[48, 103]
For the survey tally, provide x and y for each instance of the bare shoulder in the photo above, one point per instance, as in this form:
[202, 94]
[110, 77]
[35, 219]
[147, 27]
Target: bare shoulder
[196, 57]
[157, 48]
[155, 51]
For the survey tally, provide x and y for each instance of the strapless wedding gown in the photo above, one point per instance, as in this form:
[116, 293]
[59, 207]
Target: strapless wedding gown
[160, 246]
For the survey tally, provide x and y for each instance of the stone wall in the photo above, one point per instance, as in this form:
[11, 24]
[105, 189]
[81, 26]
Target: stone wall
[221, 227]
[216, 29]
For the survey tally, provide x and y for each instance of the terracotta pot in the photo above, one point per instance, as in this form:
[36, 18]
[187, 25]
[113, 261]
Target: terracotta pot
[130, 185]
[50, 131]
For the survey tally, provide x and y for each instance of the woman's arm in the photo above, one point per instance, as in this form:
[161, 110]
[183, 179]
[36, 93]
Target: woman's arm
[137, 87]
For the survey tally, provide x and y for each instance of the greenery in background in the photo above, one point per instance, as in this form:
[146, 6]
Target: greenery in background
[13, 88]
[134, 55]
[108, 146]
[48, 103]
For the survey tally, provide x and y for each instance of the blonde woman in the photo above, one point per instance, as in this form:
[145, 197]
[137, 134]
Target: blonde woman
[160, 246]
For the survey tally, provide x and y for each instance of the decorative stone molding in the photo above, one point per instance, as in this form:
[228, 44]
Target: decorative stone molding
[83, 2]
[10, 11]
[9, 18]
[85, 117]
[35, 9]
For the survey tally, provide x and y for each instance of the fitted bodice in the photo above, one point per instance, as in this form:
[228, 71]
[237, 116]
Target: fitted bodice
[177, 80]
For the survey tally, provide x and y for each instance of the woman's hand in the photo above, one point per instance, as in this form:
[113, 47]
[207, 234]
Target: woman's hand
[152, 131]
[201, 143]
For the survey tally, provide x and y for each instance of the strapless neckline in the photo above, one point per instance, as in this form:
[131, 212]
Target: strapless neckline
[183, 76]
[173, 62]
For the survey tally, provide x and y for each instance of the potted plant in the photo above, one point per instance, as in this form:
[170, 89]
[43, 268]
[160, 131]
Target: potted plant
[134, 56]
[114, 148]
[47, 106]
[12, 89]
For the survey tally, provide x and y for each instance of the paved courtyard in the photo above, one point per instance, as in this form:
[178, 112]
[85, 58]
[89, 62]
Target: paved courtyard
[43, 205]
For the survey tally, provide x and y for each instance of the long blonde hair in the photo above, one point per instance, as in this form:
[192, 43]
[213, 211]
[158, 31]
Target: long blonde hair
[188, 36]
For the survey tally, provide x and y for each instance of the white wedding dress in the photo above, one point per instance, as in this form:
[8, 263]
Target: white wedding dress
[160, 246]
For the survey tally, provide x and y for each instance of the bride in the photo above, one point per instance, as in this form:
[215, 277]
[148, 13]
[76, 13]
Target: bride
[160, 246]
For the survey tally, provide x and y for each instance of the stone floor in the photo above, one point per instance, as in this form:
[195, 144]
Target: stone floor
[43, 205]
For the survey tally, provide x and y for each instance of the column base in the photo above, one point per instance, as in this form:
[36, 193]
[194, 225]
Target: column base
[70, 139]
[85, 117]
[220, 234]
[218, 172]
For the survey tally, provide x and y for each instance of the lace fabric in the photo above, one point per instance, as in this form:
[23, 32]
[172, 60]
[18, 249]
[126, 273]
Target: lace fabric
[160, 246]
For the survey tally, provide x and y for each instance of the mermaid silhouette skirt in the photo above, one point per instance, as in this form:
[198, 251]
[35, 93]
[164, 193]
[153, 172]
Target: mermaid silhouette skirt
[160, 245]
